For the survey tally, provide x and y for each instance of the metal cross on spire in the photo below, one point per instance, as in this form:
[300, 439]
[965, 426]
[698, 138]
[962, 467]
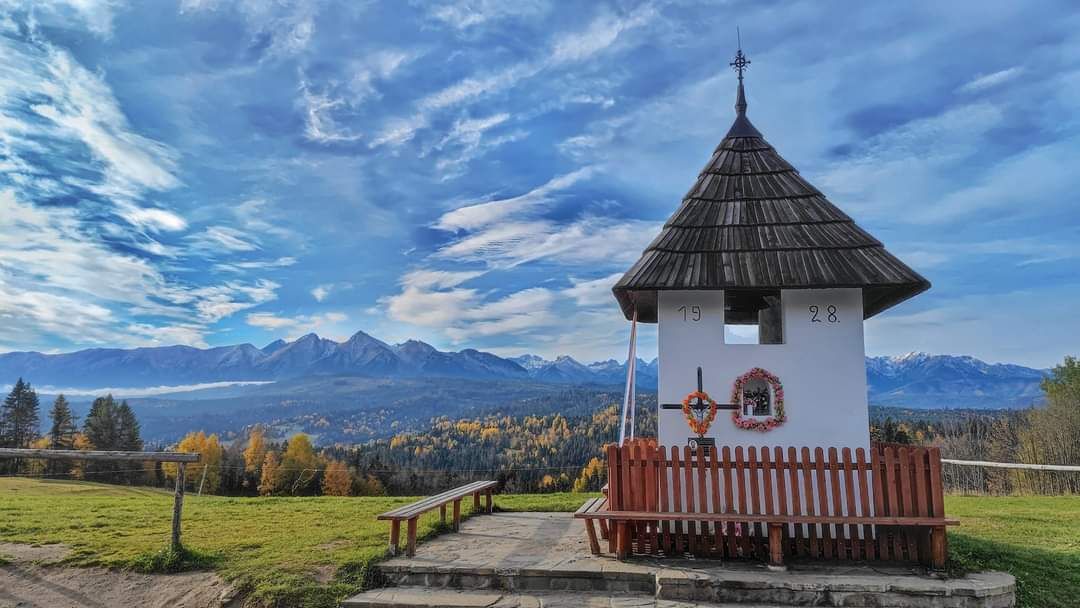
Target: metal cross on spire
[741, 61]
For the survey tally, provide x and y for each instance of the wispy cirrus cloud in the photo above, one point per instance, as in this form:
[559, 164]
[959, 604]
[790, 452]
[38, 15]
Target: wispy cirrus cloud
[468, 14]
[988, 81]
[565, 49]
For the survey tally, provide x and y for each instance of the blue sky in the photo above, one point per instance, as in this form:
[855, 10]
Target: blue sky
[477, 173]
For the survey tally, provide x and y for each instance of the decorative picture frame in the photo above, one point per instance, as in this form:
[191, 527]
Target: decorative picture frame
[738, 395]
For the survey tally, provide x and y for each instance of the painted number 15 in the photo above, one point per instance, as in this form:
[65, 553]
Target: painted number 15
[690, 313]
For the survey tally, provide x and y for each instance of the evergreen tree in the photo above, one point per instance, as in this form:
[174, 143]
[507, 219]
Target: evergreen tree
[101, 426]
[112, 426]
[19, 416]
[61, 435]
[63, 429]
[127, 429]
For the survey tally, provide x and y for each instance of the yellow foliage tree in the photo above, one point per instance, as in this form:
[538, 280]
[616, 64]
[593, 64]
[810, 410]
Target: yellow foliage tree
[268, 482]
[337, 481]
[210, 462]
[592, 476]
[299, 466]
[255, 452]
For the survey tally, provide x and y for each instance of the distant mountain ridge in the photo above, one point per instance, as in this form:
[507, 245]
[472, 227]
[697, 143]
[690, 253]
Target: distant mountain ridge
[912, 380]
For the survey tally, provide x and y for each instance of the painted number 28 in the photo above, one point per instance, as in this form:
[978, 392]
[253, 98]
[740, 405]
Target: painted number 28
[690, 313]
[830, 314]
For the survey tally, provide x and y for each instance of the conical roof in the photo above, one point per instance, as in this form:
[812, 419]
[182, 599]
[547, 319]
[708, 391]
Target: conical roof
[751, 223]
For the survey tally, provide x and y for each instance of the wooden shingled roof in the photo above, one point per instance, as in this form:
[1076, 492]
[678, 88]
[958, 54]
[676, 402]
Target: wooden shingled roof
[752, 224]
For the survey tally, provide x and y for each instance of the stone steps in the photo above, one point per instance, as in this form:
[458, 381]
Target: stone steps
[853, 586]
[419, 597]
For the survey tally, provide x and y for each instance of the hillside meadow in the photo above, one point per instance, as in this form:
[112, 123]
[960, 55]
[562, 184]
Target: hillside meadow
[314, 551]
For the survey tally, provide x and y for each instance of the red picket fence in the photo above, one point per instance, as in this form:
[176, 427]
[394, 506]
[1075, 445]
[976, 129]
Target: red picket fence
[828, 504]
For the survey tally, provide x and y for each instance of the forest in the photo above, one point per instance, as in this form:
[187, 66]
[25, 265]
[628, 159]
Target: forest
[526, 453]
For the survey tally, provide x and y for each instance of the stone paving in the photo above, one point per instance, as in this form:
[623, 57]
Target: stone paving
[530, 553]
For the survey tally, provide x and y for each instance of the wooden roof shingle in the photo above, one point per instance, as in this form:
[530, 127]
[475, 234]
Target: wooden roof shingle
[751, 222]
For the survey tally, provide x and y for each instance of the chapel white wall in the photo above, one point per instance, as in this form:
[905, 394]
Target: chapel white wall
[821, 365]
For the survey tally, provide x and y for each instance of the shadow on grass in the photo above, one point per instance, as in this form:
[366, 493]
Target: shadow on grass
[1044, 579]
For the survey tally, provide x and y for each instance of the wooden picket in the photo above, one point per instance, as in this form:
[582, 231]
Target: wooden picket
[825, 504]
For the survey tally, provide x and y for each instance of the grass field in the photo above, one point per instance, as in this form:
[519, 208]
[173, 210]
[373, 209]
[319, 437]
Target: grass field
[313, 551]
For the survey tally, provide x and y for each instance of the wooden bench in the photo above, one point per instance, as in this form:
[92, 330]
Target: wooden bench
[770, 503]
[411, 513]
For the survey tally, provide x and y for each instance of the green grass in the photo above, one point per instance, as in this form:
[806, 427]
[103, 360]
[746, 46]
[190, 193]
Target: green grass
[314, 551]
[1035, 538]
[279, 551]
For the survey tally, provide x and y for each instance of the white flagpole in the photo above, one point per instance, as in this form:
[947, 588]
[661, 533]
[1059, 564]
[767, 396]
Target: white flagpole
[628, 396]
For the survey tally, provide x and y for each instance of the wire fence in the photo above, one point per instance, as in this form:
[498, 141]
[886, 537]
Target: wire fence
[980, 477]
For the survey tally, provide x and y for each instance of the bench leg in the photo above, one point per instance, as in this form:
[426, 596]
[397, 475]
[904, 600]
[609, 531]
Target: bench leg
[457, 514]
[410, 548]
[395, 536]
[603, 528]
[442, 514]
[476, 502]
[487, 501]
[594, 544]
[776, 545]
[622, 540]
[938, 548]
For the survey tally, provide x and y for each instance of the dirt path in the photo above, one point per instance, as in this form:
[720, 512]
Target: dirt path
[28, 581]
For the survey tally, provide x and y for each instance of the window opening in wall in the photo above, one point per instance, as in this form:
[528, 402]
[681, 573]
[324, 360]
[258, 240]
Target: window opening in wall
[753, 317]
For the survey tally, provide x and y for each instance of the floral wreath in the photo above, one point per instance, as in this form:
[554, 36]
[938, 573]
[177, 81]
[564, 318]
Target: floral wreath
[699, 426]
[768, 423]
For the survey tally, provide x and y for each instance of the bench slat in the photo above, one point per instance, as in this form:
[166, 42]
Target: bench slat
[427, 504]
[737, 517]
[422, 506]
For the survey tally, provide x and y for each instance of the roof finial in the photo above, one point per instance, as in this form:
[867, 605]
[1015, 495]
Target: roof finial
[739, 65]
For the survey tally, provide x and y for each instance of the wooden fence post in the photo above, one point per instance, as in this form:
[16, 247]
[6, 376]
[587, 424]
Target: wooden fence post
[178, 505]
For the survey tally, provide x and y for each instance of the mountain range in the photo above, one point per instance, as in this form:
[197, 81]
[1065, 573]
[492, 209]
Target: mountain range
[912, 380]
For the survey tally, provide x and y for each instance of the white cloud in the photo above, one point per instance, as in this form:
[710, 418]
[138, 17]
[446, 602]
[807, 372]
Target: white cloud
[599, 35]
[154, 219]
[479, 215]
[912, 162]
[595, 292]
[281, 262]
[320, 292]
[218, 239]
[288, 24]
[989, 81]
[97, 15]
[466, 141]
[266, 320]
[59, 281]
[441, 279]
[466, 14]
[328, 323]
[319, 123]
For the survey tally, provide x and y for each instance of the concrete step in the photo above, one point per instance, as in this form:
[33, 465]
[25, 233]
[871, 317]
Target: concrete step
[419, 597]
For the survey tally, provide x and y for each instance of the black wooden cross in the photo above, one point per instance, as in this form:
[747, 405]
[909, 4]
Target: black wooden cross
[697, 404]
[700, 406]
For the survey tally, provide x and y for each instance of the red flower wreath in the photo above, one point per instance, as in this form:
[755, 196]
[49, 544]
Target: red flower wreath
[699, 426]
[768, 423]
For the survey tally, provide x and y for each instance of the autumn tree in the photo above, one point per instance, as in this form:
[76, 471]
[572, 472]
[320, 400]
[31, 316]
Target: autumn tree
[593, 476]
[337, 481]
[255, 452]
[1053, 436]
[270, 478]
[209, 462]
[300, 467]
